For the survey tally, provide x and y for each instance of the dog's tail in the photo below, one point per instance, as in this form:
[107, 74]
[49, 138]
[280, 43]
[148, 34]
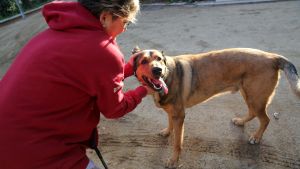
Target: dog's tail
[291, 74]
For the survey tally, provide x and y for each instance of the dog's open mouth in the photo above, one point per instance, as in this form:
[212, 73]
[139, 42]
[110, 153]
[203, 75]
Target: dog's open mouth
[158, 85]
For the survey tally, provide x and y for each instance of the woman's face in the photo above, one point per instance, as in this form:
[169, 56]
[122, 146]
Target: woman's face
[113, 25]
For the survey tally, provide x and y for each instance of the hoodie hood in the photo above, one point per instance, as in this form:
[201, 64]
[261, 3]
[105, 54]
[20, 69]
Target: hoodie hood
[61, 15]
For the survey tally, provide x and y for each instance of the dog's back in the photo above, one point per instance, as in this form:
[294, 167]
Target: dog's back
[202, 76]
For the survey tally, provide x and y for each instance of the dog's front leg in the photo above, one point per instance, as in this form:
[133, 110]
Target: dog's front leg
[167, 131]
[178, 119]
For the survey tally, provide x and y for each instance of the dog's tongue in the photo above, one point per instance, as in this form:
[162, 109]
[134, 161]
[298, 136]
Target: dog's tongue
[160, 82]
[164, 86]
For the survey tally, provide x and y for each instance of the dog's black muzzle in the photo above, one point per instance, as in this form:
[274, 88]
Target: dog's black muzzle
[157, 72]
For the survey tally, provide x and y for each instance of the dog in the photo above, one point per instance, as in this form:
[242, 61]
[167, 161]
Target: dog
[186, 80]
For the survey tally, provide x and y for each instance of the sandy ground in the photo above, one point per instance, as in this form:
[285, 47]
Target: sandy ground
[211, 141]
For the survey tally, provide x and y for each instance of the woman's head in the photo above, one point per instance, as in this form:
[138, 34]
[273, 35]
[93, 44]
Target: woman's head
[114, 15]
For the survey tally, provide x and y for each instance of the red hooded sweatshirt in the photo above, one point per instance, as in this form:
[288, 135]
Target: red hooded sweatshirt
[51, 96]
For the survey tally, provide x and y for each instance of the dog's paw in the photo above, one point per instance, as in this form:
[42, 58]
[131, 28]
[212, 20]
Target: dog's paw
[165, 132]
[254, 140]
[238, 121]
[171, 164]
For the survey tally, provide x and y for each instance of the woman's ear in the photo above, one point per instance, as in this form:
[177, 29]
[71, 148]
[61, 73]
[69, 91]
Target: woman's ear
[104, 18]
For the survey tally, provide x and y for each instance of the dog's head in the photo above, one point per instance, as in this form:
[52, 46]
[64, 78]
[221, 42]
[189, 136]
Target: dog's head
[150, 69]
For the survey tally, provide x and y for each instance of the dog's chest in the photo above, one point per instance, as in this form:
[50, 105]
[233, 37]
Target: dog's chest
[157, 100]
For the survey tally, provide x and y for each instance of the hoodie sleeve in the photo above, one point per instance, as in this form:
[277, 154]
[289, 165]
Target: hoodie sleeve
[112, 101]
[128, 70]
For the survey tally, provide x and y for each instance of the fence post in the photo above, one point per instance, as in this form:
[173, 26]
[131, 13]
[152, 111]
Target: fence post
[20, 9]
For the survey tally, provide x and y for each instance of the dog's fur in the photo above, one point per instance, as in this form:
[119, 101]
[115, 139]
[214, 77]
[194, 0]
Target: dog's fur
[194, 78]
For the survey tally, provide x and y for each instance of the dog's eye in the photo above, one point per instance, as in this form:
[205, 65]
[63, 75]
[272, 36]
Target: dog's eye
[158, 59]
[144, 62]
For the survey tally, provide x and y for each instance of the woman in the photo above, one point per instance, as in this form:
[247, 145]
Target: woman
[51, 96]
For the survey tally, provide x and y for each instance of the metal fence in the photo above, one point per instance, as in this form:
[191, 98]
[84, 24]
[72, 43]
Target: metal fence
[10, 9]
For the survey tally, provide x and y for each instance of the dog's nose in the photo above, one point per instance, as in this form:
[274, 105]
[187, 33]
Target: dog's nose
[156, 71]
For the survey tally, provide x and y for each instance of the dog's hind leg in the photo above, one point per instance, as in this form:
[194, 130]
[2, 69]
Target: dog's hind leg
[256, 108]
[258, 93]
[240, 121]
[264, 121]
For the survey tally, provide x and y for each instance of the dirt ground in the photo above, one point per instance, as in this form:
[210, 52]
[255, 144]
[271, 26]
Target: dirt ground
[211, 141]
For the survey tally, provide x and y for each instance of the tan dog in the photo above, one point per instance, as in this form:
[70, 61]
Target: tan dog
[185, 80]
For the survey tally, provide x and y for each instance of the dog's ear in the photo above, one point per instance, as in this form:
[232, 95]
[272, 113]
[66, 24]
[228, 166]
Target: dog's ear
[135, 50]
[163, 55]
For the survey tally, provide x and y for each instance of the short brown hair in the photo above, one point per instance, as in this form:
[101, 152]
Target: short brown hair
[123, 8]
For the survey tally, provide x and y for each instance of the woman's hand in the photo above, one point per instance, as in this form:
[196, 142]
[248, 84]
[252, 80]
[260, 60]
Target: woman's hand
[131, 60]
[129, 67]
